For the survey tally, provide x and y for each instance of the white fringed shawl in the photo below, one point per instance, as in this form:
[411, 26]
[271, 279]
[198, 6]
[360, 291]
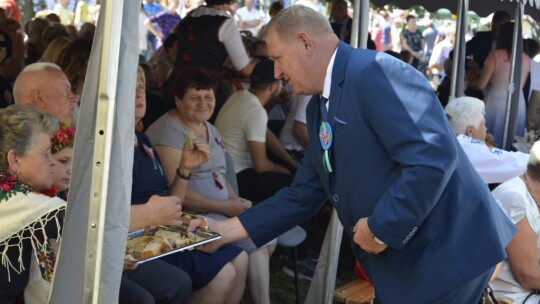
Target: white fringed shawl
[21, 216]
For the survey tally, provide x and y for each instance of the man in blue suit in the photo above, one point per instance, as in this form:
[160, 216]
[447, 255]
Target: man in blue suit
[424, 226]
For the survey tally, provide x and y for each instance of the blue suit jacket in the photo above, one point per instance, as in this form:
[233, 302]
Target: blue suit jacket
[396, 161]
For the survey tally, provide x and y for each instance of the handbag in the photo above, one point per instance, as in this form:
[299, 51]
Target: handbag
[533, 111]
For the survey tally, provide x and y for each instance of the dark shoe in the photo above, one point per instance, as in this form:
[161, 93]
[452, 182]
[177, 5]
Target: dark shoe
[313, 256]
[305, 269]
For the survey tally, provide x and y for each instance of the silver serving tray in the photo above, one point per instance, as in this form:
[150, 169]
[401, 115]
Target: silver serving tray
[206, 235]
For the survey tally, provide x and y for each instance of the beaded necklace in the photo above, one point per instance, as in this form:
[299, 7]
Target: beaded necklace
[10, 185]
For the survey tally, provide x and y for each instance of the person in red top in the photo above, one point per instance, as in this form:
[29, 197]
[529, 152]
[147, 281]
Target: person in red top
[12, 11]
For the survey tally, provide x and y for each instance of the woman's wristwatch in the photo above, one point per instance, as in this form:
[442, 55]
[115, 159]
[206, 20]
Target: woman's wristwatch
[182, 176]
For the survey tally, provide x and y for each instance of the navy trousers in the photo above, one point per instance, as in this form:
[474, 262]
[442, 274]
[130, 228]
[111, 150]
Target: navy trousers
[155, 282]
[467, 294]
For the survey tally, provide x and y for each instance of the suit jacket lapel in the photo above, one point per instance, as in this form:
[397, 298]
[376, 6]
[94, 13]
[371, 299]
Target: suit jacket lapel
[338, 77]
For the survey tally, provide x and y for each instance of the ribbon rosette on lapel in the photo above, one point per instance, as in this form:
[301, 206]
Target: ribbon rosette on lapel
[150, 152]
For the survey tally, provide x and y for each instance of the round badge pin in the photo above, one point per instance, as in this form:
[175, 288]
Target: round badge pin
[325, 135]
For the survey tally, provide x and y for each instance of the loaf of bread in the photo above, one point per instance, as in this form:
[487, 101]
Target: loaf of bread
[150, 250]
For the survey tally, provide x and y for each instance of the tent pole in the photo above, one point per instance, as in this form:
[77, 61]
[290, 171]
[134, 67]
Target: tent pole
[102, 150]
[333, 255]
[512, 101]
[359, 31]
[458, 64]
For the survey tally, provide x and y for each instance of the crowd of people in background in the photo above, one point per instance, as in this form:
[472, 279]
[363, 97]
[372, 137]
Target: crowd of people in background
[204, 70]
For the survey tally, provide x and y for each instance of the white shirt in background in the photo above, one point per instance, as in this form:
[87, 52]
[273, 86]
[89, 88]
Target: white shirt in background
[297, 113]
[243, 14]
[492, 164]
[241, 119]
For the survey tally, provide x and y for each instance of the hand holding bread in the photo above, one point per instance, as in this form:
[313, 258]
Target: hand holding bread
[194, 154]
[165, 210]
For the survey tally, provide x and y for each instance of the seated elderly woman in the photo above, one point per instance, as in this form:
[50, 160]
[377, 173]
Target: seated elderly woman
[208, 191]
[466, 115]
[27, 253]
[519, 277]
[218, 277]
[25, 169]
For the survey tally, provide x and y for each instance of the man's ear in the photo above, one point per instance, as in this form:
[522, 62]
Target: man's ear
[37, 100]
[306, 41]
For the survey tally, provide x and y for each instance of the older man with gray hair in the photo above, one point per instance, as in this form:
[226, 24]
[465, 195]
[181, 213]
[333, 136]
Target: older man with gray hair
[380, 150]
[466, 115]
[47, 87]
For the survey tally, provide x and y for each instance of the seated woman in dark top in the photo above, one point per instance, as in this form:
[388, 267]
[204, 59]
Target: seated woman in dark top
[218, 277]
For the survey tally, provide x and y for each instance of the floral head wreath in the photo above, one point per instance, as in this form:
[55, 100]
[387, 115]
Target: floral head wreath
[64, 137]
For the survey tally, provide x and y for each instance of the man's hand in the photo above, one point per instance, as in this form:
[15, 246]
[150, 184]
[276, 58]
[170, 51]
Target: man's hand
[364, 238]
[165, 210]
[212, 226]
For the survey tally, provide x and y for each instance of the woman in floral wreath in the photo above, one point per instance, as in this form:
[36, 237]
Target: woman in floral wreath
[29, 221]
[62, 154]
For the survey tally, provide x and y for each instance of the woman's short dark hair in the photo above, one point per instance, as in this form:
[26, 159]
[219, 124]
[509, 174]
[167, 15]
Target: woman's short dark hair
[8, 44]
[193, 78]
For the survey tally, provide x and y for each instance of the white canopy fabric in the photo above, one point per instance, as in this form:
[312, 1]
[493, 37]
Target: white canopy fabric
[91, 257]
[481, 7]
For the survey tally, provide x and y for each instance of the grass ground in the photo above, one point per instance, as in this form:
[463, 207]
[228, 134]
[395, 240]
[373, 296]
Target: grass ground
[282, 286]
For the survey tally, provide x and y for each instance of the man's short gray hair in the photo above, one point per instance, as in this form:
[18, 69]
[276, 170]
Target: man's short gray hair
[40, 66]
[288, 22]
[463, 112]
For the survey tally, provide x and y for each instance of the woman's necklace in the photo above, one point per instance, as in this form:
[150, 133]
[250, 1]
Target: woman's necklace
[529, 189]
[10, 185]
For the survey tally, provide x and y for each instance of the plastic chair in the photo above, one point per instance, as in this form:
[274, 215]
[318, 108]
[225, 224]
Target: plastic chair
[230, 175]
[291, 239]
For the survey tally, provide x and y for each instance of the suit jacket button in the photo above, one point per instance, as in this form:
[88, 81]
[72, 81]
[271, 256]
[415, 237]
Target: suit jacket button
[335, 197]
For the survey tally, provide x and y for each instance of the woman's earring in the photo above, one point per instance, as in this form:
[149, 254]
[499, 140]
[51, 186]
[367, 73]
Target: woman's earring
[17, 174]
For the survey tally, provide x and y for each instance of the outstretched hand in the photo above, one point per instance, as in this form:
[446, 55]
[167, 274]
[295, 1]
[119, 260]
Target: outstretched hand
[209, 224]
[192, 158]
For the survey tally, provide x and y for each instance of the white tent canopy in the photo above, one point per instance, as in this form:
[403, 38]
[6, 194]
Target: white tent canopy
[481, 7]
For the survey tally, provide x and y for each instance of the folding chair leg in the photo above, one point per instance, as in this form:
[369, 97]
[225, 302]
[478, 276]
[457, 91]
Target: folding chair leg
[295, 260]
